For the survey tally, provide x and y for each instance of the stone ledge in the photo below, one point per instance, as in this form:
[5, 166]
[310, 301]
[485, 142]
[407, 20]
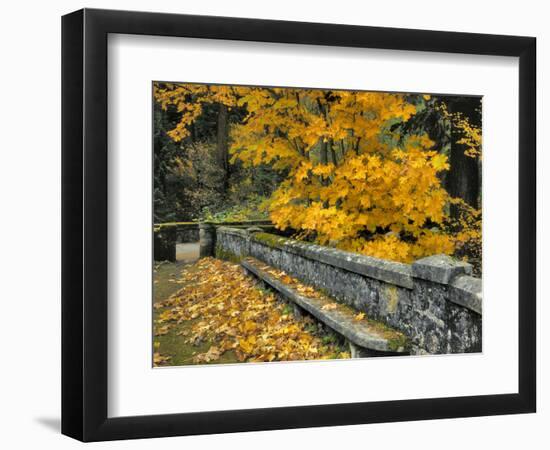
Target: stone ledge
[234, 232]
[467, 291]
[177, 224]
[440, 268]
[339, 318]
[395, 273]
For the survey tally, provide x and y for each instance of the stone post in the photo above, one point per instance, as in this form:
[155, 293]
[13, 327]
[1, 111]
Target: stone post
[440, 268]
[165, 245]
[207, 238]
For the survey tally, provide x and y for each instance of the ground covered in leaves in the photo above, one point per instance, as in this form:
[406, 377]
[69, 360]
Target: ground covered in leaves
[212, 312]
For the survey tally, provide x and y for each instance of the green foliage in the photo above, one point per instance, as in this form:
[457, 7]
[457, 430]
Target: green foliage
[254, 208]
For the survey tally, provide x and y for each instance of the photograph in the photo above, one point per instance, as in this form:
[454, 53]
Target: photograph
[295, 223]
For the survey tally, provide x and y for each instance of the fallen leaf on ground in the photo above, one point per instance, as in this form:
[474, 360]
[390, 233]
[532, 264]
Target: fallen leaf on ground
[223, 306]
[162, 330]
[160, 360]
[329, 306]
[212, 354]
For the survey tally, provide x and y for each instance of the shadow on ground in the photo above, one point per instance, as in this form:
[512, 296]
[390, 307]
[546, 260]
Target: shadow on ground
[52, 423]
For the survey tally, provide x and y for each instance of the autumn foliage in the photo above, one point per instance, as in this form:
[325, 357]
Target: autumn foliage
[350, 181]
[222, 306]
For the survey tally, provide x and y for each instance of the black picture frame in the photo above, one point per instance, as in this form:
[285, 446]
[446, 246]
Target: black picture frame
[84, 224]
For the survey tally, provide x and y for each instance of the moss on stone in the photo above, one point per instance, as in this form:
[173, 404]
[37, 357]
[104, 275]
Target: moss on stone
[271, 240]
[176, 224]
[391, 297]
[398, 342]
[227, 255]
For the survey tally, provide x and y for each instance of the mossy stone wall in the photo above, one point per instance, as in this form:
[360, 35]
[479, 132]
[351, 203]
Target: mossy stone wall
[434, 302]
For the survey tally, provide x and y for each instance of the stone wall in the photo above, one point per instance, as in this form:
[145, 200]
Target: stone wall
[164, 244]
[186, 235]
[182, 232]
[208, 232]
[435, 301]
[168, 235]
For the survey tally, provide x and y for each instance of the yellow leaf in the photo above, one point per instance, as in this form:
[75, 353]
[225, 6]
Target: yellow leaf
[329, 306]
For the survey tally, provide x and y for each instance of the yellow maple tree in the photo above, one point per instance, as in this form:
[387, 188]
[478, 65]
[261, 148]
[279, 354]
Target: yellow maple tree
[350, 181]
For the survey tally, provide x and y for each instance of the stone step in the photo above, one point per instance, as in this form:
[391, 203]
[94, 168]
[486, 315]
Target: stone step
[367, 337]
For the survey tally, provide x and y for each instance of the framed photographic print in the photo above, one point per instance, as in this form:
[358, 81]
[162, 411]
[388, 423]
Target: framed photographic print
[273, 224]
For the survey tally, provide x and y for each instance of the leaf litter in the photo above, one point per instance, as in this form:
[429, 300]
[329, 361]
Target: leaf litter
[232, 312]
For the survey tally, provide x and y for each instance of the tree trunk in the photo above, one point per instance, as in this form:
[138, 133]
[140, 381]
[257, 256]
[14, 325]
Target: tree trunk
[222, 144]
[323, 160]
[463, 179]
[332, 152]
[323, 155]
